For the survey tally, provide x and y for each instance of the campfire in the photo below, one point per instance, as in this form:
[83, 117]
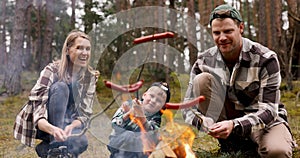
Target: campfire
[176, 140]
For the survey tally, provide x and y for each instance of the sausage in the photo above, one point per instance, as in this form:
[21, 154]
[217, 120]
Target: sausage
[139, 83]
[153, 37]
[127, 88]
[187, 104]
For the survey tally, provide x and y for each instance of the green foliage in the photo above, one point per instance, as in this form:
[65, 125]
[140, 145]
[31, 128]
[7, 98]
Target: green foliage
[204, 145]
[90, 17]
[286, 96]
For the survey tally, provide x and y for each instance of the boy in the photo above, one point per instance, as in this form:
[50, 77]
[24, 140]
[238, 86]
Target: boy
[125, 140]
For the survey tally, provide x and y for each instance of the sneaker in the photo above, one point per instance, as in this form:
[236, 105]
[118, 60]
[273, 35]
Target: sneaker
[60, 152]
[42, 149]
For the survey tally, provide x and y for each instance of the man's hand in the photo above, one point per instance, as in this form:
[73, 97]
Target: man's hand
[221, 129]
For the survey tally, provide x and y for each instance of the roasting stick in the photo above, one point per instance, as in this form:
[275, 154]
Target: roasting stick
[121, 89]
[128, 88]
[147, 39]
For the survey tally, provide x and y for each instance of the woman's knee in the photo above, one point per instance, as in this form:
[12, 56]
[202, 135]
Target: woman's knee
[60, 88]
[59, 85]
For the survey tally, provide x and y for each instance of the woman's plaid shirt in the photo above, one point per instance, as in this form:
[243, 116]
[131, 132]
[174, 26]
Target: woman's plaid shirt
[35, 109]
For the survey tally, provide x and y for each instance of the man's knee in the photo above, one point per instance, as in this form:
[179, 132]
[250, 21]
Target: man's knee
[276, 151]
[203, 78]
[202, 84]
[276, 142]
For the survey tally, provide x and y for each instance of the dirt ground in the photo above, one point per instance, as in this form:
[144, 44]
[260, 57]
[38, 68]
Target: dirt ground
[97, 136]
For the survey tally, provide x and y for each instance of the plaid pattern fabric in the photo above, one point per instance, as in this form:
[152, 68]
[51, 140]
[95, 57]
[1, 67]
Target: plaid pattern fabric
[35, 109]
[253, 85]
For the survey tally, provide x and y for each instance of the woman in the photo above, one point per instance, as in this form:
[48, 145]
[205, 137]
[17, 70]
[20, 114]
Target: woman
[61, 101]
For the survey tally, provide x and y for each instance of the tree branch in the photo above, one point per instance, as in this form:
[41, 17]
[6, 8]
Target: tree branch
[291, 14]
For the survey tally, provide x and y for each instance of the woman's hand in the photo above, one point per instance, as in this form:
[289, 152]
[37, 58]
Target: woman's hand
[59, 134]
[221, 129]
[68, 129]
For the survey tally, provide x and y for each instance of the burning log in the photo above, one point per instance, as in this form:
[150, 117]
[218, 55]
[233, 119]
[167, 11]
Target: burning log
[176, 140]
[163, 150]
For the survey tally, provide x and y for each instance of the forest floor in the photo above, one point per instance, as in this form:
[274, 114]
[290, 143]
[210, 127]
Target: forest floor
[204, 145]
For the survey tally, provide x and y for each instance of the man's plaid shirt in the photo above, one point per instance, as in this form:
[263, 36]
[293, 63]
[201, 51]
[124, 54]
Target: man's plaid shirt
[35, 109]
[253, 85]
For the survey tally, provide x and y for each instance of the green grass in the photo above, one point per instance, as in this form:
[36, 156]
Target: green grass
[204, 145]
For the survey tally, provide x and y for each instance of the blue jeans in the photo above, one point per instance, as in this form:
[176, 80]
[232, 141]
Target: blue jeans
[61, 111]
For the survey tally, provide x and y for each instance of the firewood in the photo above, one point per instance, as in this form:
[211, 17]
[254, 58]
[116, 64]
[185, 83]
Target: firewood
[163, 150]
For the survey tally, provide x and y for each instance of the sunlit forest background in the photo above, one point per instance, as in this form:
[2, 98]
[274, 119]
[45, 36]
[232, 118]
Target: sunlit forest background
[32, 33]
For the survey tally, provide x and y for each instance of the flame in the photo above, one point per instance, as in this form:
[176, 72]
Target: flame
[137, 122]
[188, 151]
[148, 144]
[179, 137]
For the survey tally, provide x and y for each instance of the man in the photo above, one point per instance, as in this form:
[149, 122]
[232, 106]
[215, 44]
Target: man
[240, 80]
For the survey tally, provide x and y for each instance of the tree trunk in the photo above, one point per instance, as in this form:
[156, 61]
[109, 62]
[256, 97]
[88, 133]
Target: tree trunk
[73, 6]
[255, 19]
[27, 56]
[173, 22]
[268, 23]
[88, 24]
[191, 33]
[13, 74]
[3, 53]
[293, 39]
[249, 14]
[38, 34]
[262, 28]
[46, 54]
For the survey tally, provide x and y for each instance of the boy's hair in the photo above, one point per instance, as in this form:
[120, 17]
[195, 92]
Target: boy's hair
[165, 87]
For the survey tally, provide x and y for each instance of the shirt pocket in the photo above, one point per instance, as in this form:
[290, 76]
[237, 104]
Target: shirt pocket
[247, 92]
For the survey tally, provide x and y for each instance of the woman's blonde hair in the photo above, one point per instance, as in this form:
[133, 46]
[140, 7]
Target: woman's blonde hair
[64, 61]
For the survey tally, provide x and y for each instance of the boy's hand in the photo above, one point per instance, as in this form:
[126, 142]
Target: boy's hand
[138, 111]
[126, 107]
